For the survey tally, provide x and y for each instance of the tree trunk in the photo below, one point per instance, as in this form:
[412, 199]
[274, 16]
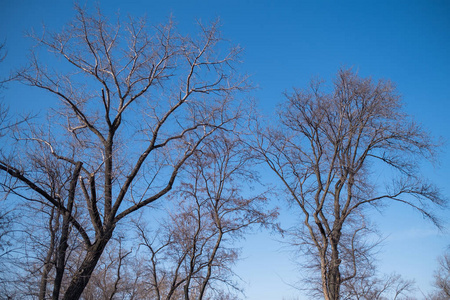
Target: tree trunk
[334, 274]
[84, 272]
[47, 262]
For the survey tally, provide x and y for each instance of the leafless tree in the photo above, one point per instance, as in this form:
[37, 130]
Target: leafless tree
[371, 287]
[442, 279]
[191, 256]
[335, 153]
[134, 105]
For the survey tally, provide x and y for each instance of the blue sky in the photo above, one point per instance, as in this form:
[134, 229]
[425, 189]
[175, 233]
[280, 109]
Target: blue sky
[286, 43]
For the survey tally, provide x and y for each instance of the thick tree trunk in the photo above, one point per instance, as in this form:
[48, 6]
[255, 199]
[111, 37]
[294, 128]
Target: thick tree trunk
[334, 283]
[84, 272]
[334, 274]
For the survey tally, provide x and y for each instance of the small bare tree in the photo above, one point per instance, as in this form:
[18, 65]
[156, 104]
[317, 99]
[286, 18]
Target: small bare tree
[134, 105]
[326, 152]
[371, 287]
[442, 279]
[192, 255]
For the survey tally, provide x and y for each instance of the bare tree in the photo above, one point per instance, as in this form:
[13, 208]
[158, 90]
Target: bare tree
[328, 151]
[134, 105]
[371, 287]
[191, 256]
[442, 279]
[115, 276]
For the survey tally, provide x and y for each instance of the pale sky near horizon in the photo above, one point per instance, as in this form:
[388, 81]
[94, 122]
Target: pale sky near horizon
[286, 43]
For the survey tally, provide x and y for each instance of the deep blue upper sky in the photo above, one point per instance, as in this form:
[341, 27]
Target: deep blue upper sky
[286, 43]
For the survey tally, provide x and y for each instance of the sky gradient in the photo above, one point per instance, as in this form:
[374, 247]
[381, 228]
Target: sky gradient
[286, 43]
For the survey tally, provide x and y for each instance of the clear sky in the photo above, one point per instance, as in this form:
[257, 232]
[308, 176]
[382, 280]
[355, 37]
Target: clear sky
[286, 43]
